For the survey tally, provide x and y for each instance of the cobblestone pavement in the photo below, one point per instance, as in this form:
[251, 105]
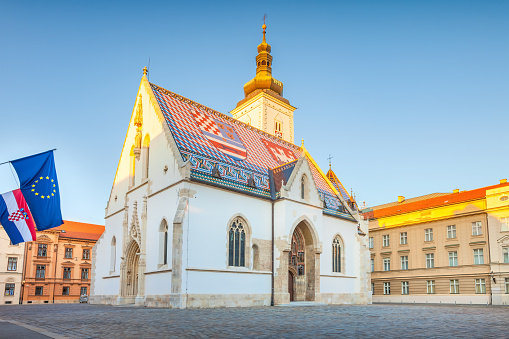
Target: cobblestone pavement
[373, 321]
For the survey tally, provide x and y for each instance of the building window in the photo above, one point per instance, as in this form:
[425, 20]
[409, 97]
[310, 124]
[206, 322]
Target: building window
[9, 289]
[385, 239]
[86, 254]
[476, 228]
[430, 260]
[454, 286]
[84, 273]
[237, 244]
[480, 286]
[387, 264]
[453, 258]
[373, 288]
[405, 287]
[42, 250]
[83, 290]
[430, 286]
[163, 243]
[507, 285]
[12, 264]
[371, 242]
[372, 264]
[278, 129]
[113, 253]
[478, 256]
[65, 290]
[504, 224]
[403, 239]
[68, 253]
[336, 254]
[505, 252]
[428, 234]
[296, 255]
[404, 262]
[303, 187]
[38, 290]
[451, 231]
[387, 288]
[40, 271]
[67, 273]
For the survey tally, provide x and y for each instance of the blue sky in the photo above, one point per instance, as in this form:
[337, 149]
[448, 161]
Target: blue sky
[409, 97]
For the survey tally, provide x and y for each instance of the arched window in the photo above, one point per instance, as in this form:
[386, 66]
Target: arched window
[113, 254]
[237, 243]
[337, 254]
[268, 63]
[303, 187]
[163, 243]
[145, 155]
[263, 62]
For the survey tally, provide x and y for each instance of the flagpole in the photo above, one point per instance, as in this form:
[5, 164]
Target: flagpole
[6, 162]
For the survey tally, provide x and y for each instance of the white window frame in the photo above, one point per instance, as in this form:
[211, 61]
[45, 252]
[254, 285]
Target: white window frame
[451, 231]
[480, 286]
[405, 287]
[404, 262]
[478, 256]
[507, 285]
[428, 234]
[430, 260]
[387, 264]
[387, 288]
[403, 238]
[505, 255]
[454, 286]
[386, 240]
[453, 255]
[430, 286]
[372, 264]
[371, 244]
[476, 228]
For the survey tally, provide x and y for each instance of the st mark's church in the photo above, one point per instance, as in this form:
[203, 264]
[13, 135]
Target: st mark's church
[209, 210]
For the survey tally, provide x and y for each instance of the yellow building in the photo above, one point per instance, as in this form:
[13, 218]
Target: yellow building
[437, 248]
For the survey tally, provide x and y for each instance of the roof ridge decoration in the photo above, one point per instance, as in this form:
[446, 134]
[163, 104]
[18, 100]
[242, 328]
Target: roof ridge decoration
[335, 181]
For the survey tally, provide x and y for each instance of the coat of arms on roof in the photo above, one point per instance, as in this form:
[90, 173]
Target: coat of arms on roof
[281, 154]
[222, 135]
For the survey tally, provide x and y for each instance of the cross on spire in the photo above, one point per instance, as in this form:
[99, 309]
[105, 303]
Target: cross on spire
[330, 158]
[264, 17]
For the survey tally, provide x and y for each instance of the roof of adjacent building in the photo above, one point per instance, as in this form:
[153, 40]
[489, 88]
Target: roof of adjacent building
[226, 152]
[79, 230]
[427, 201]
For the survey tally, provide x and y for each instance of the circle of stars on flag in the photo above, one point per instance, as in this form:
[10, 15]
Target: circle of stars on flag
[52, 187]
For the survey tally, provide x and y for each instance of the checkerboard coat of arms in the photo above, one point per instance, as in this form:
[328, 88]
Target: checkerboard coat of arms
[221, 135]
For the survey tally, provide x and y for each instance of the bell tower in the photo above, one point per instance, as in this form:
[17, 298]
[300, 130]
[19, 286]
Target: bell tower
[264, 106]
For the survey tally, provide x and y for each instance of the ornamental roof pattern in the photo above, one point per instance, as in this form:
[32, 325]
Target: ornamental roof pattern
[215, 143]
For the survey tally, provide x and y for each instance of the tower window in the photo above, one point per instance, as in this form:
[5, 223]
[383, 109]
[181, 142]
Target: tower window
[268, 63]
[263, 62]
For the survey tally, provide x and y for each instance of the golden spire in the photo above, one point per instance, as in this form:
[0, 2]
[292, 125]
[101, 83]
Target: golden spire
[263, 79]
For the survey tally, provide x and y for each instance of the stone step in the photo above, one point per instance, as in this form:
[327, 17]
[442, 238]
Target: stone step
[302, 304]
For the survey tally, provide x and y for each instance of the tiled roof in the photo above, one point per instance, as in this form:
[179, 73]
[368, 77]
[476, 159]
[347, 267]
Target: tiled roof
[406, 201]
[339, 186]
[79, 230]
[432, 201]
[209, 139]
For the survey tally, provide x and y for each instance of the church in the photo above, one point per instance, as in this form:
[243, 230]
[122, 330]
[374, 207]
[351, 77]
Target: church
[209, 210]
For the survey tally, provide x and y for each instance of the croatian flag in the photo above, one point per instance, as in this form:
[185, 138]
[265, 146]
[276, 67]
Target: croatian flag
[16, 218]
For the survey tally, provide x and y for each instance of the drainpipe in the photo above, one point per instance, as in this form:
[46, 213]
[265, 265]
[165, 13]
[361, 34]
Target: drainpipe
[273, 265]
[23, 274]
[490, 275]
[55, 274]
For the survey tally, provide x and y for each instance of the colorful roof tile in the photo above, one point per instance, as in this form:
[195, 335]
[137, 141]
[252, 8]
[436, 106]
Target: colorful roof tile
[210, 140]
[79, 230]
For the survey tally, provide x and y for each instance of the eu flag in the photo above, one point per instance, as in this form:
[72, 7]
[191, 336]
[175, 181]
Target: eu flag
[39, 184]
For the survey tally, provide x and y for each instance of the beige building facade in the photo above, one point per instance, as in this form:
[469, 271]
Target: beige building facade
[11, 269]
[436, 249]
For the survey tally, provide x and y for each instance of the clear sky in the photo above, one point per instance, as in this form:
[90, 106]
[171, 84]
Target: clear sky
[409, 97]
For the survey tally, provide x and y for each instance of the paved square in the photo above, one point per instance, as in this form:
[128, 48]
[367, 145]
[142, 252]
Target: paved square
[374, 321]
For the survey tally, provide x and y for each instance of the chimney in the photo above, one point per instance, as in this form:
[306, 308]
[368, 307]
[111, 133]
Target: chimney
[401, 198]
[457, 190]
[503, 181]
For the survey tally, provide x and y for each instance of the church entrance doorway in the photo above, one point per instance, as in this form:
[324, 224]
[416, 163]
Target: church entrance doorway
[133, 256]
[301, 265]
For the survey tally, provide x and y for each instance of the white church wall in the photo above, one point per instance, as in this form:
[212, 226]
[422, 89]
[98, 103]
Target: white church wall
[203, 282]
[158, 283]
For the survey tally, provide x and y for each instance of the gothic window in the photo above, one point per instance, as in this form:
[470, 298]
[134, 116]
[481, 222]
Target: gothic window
[237, 243]
[113, 254]
[145, 154]
[336, 254]
[163, 243]
[297, 257]
[303, 182]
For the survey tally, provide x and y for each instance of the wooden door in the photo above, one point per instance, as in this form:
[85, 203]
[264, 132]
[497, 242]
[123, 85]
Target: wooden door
[290, 285]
